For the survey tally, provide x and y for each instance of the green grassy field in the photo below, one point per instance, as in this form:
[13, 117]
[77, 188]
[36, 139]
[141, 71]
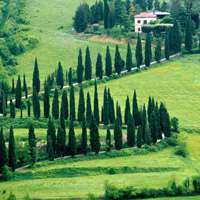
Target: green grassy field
[73, 178]
[55, 43]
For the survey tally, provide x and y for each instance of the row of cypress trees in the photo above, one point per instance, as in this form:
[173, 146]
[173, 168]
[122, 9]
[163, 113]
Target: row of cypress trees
[8, 156]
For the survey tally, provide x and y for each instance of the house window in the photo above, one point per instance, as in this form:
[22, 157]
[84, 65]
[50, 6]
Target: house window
[145, 21]
[139, 29]
[138, 21]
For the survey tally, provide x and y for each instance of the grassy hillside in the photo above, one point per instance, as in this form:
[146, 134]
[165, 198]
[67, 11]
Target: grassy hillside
[51, 22]
[77, 177]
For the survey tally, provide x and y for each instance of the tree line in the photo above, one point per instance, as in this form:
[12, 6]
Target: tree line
[145, 125]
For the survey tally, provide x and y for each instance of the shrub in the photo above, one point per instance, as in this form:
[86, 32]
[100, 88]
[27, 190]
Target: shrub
[196, 184]
[181, 150]
[6, 174]
[175, 124]
[12, 197]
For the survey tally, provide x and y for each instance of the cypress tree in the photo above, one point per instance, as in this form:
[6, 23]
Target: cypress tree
[138, 52]
[81, 105]
[46, 101]
[36, 76]
[108, 62]
[50, 150]
[64, 104]
[136, 113]
[89, 109]
[158, 51]
[70, 78]
[167, 47]
[118, 135]
[51, 134]
[148, 53]
[99, 66]
[21, 112]
[11, 150]
[60, 76]
[176, 37]
[139, 137]
[108, 140]
[13, 86]
[12, 109]
[118, 61]
[36, 104]
[55, 105]
[158, 123]
[3, 150]
[165, 121]
[62, 122]
[60, 142]
[88, 65]
[32, 144]
[72, 139]
[119, 114]
[188, 34]
[129, 60]
[130, 131]
[25, 89]
[80, 67]
[105, 113]
[18, 93]
[111, 111]
[153, 127]
[96, 104]
[147, 133]
[106, 14]
[28, 108]
[72, 104]
[127, 111]
[94, 136]
[4, 104]
[84, 147]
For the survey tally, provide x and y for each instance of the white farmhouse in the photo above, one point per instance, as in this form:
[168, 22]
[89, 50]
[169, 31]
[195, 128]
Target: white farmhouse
[147, 17]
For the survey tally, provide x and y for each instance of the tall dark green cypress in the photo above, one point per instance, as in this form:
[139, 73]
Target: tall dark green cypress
[130, 131]
[96, 104]
[81, 105]
[106, 14]
[111, 111]
[153, 127]
[118, 61]
[50, 150]
[108, 62]
[177, 37]
[136, 113]
[158, 51]
[84, 138]
[18, 93]
[88, 65]
[60, 142]
[138, 52]
[12, 160]
[72, 104]
[88, 109]
[119, 113]
[94, 136]
[25, 89]
[60, 76]
[46, 100]
[36, 104]
[70, 77]
[51, 132]
[167, 47]
[148, 53]
[129, 60]
[36, 76]
[80, 67]
[64, 104]
[3, 150]
[13, 86]
[108, 140]
[188, 34]
[139, 137]
[28, 108]
[118, 135]
[99, 66]
[72, 139]
[12, 109]
[127, 110]
[55, 105]
[32, 144]
[105, 108]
